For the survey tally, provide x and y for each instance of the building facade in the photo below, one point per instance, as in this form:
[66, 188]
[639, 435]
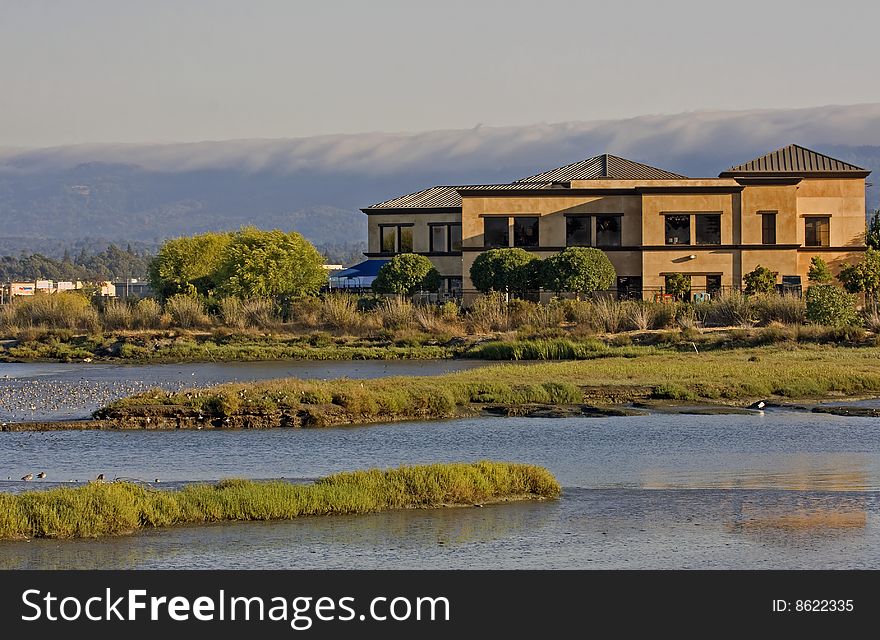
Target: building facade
[778, 211]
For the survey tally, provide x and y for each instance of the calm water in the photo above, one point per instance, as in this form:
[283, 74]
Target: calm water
[783, 489]
[54, 391]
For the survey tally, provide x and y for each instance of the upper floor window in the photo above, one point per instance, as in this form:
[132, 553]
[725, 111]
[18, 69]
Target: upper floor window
[678, 229]
[525, 231]
[608, 231]
[496, 232]
[396, 238]
[768, 227]
[817, 231]
[708, 229]
[445, 237]
[577, 231]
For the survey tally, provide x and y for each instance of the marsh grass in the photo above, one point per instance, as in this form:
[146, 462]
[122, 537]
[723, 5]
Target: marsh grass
[186, 312]
[117, 508]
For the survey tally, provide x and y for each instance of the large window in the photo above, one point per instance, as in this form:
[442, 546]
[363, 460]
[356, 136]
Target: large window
[396, 238]
[525, 232]
[577, 231]
[607, 231]
[629, 287]
[817, 232]
[496, 232]
[709, 229]
[768, 227]
[445, 238]
[678, 229]
[713, 284]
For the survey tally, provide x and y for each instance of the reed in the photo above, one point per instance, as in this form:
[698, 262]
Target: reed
[118, 508]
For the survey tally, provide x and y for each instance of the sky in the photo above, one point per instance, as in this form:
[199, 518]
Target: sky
[157, 71]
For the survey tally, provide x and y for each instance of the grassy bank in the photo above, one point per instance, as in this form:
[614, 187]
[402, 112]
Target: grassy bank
[106, 509]
[793, 372]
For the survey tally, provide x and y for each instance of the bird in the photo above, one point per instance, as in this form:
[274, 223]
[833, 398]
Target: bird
[41, 475]
[760, 404]
[28, 477]
[100, 477]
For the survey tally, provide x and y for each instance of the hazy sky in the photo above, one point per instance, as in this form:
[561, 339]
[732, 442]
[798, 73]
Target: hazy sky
[187, 70]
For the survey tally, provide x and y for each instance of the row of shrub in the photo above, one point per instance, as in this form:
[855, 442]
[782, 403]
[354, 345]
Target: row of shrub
[345, 313]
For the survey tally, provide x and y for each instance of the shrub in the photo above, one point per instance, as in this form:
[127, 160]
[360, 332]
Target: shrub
[514, 270]
[116, 315]
[787, 308]
[489, 313]
[340, 310]
[609, 314]
[260, 312]
[395, 313]
[56, 311]
[731, 309]
[831, 305]
[641, 315]
[146, 314]
[186, 312]
[761, 280]
[449, 311]
[231, 312]
[405, 274]
[678, 285]
[580, 270]
[819, 272]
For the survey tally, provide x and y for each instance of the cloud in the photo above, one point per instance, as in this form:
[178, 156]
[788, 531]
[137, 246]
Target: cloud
[677, 142]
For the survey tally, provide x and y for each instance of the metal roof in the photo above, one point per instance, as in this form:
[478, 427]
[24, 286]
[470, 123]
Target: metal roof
[604, 167]
[445, 196]
[795, 160]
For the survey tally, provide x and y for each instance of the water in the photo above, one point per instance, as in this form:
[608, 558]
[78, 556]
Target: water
[780, 490]
[55, 391]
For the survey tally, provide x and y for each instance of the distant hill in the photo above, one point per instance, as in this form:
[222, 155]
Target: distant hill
[52, 199]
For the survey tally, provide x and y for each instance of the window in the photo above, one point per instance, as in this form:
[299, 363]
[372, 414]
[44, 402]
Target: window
[678, 229]
[708, 229]
[444, 238]
[713, 284]
[525, 232]
[607, 231]
[768, 228]
[439, 238]
[496, 232]
[453, 285]
[816, 232]
[629, 287]
[396, 238]
[455, 237]
[577, 231]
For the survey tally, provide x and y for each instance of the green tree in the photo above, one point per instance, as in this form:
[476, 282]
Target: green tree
[269, 264]
[760, 280]
[188, 265]
[864, 276]
[405, 274]
[872, 236]
[819, 271]
[678, 284]
[578, 270]
[512, 270]
[830, 305]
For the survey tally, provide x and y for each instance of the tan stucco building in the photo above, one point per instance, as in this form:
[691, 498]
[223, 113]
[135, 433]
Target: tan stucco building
[778, 211]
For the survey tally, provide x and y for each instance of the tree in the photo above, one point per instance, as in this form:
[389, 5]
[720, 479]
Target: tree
[510, 270]
[863, 276]
[580, 270]
[819, 271]
[405, 274]
[678, 284]
[761, 280]
[872, 236]
[188, 265]
[269, 264]
[830, 305]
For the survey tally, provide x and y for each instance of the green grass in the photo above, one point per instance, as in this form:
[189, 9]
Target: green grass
[117, 508]
[790, 371]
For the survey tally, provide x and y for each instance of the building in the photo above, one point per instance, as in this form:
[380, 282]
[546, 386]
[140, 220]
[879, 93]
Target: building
[778, 210]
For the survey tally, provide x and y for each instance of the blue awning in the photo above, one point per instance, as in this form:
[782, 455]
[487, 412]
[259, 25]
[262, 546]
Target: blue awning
[359, 276]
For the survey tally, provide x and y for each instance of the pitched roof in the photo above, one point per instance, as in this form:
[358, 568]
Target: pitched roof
[445, 196]
[604, 167]
[795, 160]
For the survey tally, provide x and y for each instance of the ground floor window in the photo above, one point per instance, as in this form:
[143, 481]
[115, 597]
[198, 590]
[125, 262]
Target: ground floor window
[629, 287]
[453, 284]
[713, 284]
